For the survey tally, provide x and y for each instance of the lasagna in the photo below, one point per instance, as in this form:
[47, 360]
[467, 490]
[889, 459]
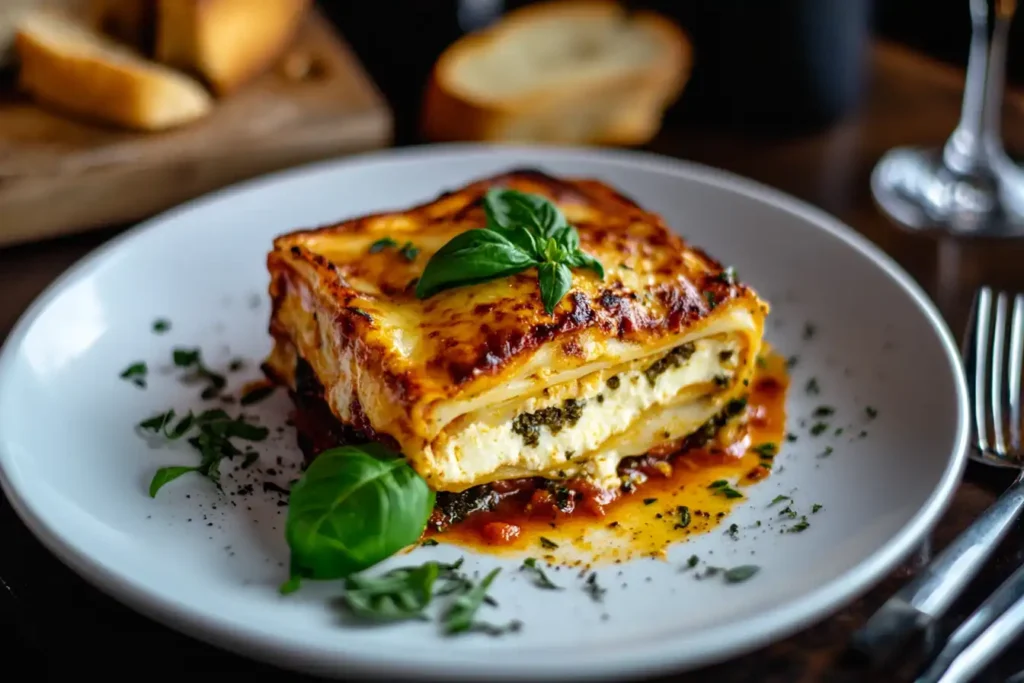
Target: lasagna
[479, 385]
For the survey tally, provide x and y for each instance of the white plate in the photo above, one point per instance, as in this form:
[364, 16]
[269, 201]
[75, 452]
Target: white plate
[76, 472]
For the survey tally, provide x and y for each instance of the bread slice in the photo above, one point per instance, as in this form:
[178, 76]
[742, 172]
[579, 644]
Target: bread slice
[67, 65]
[227, 42]
[566, 71]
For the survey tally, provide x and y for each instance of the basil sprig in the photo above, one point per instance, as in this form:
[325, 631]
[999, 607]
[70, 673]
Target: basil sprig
[353, 507]
[523, 231]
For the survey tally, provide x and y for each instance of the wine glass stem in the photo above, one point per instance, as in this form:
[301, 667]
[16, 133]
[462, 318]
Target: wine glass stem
[977, 138]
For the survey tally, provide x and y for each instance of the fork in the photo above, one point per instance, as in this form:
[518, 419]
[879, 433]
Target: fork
[989, 365]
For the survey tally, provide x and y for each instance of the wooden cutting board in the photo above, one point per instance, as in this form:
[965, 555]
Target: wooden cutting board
[60, 175]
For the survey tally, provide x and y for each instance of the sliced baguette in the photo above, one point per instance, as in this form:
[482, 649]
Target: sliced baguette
[69, 66]
[227, 42]
[566, 71]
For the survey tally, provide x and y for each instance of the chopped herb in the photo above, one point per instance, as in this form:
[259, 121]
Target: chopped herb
[136, 374]
[625, 266]
[409, 251]
[718, 484]
[459, 617]
[791, 362]
[684, 517]
[382, 244]
[540, 579]
[812, 386]
[825, 453]
[191, 359]
[692, 562]
[766, 450]
[809, 331]
[650, 501]
[429, 542]
[728, 492]
[862, 434]
[728, 276]
[249, 460]
[236, 364]
[732, 531]
[161, 325]
[799, 526]
[815, 507]
[740, 574]
[257, 394]
[779, 499]
[818, 429]
[165, 475]
[872, 413]
[824, 411]
[791, 437]
[595, 591]
[397, 595]
[788, 512]
[839, 431]
[547, 543]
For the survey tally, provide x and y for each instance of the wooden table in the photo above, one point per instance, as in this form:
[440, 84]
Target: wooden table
[911, 100]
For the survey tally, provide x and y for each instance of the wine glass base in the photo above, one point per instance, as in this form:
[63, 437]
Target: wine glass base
[917, 190]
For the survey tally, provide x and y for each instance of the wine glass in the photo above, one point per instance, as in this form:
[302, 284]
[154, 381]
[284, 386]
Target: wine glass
[970, 186]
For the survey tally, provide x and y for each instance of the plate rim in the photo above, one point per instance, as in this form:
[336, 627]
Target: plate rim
[766, 627]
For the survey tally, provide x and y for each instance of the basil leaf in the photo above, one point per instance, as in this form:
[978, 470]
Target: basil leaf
[470, 258]
[165, 475]
[555, 281]
[353, 507]
[581, 259]
[507, 209]
[459, 617]
[399, 594]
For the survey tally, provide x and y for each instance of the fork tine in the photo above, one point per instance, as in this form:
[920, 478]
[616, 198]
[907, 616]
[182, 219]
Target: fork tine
[983, 305]
[1016, 370]
[996, 376]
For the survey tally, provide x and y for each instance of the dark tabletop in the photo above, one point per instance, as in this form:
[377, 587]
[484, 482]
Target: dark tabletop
[64, 628]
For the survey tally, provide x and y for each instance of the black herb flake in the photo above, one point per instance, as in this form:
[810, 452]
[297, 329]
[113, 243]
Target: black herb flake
[791, 437]
[791, 362]
[692, 562]
[741, 573]
[161, 325]
[732, 531]
[812, 387]
[809, 331]
[429, 542]
[547, 543]
[540, 579]
[824, 411]
[871, 413]
[257, 394]
[593, 589]
[136, 374]
[650, 501]
[382, 244]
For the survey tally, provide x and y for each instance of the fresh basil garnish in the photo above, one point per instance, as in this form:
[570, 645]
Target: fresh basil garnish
[399, 594]
[460, 617]
[523, 231]
[353, 507]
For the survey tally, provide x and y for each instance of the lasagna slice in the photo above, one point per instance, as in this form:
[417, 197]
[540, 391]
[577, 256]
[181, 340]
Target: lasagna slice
[478, 384]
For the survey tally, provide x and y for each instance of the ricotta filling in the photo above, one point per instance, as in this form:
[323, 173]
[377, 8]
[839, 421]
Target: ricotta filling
[587, 426]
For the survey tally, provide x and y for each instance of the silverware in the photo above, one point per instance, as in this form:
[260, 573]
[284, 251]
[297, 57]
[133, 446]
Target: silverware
[921, 602]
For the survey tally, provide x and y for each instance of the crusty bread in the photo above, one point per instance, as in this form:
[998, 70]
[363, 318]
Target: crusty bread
[227, 42]
[566, 71]
[69, 66]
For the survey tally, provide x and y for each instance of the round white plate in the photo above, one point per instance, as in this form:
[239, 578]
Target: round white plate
[209, 565]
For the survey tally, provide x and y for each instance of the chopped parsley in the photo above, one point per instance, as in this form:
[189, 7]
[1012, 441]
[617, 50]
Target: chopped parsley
[722, 488]
[824, 411]
[791, 437]
[818, 428]
[799, 526]
[136, 374]
[815, 508]
[741, 573]
[766, 450]
[161, 325]
[191, 359]
[382, 244]
[779, 499]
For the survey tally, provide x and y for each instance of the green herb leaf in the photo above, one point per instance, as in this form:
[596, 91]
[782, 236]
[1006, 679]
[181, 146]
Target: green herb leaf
[510, 209]
[472, 257]
[692, 562]
[741, 573]
[684, 517]
[353, 507]
[540, 579]
[581, 259]
[555, 281]
[382, 244]
[459, 617]
[165, 475]
[779, 499]
[547, 543]
[136, 374]
[409, 252]
[161, 325]
[397, 595]
[157, 422]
